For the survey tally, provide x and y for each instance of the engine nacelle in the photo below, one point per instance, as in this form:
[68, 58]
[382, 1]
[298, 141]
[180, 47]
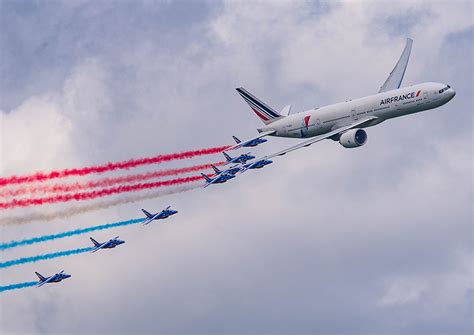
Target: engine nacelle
[353, 138]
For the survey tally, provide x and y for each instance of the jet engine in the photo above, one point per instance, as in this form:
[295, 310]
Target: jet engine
[353, 138]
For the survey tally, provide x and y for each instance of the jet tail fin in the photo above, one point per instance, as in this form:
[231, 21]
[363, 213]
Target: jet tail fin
[227, 157]
[148, 215]
[216, 170]
[236, 139]
[395, 78]
[40, 276]
[206, 177]
[95, 242]
[263, 111]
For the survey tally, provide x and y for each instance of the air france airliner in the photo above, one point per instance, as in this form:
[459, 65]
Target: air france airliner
[345, 121]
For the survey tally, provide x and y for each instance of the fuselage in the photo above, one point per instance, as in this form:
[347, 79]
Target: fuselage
[384, 106]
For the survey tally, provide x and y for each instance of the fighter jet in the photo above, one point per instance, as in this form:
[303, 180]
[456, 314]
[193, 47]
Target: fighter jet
[53, 279]
[219, 179]
[106, 245]
[232, 171]
[249, 143]
[240, 159]
[255, 165]
[167, 212]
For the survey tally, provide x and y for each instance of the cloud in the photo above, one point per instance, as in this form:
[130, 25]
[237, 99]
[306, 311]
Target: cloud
[324, 240]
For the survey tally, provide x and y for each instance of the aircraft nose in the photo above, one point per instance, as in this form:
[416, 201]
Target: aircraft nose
[452, 92]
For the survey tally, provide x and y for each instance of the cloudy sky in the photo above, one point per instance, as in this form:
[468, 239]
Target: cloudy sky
[326, 240]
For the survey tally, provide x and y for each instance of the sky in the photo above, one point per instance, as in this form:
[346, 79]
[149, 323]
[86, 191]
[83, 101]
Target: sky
[326, 240]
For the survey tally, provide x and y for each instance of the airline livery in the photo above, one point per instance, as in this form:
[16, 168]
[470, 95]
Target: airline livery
[344, 122]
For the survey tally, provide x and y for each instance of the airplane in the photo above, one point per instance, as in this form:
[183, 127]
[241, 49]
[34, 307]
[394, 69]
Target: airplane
[232, 170]
[345, 122]
[250, 143]
[239, 159]
[219, 179]
[258, 164]
[106, 245]
[165, 213]
[52, 279]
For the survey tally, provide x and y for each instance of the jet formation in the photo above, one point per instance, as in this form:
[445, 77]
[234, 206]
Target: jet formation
[344, 122]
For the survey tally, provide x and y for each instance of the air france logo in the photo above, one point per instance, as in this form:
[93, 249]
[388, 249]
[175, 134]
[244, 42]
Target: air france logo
[396, 98]
[306, 121]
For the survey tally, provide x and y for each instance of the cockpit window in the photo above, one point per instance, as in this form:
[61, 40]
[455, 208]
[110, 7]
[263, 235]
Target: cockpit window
[444, 89]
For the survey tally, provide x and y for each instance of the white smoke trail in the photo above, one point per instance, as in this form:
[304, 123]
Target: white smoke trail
[67, 213]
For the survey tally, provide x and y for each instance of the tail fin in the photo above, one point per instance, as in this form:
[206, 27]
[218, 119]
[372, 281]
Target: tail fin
[148, 215]
[216, 170]
[227, 157]
[40, 276]
[236, 140]
[206, 177]
[95, 242]
[263, 111]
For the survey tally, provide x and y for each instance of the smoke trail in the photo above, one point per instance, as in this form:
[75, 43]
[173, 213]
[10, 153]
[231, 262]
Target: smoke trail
[40, 176]
[94, 194]
[67, 213]
[43, 257]
[17, 286]
[106, 182]
[44, 238]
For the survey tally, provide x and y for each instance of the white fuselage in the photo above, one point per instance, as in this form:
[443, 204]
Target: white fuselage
[386, 105]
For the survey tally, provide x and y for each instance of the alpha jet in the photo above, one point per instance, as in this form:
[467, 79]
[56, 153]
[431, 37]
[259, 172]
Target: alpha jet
[106, 245]
[53, 279]
[232, 171]
[165, 213]
[250, 143]
[242, 159]
[219, 179]
[255, 165]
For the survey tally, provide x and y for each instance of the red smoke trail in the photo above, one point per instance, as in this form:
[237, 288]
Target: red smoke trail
[40, 176]
[95, 194]
[106, 182]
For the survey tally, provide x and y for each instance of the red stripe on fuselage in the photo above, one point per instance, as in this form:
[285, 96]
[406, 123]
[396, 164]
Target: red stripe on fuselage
[418, 93]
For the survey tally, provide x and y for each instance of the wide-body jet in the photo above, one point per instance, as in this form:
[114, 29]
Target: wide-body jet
[345, 122]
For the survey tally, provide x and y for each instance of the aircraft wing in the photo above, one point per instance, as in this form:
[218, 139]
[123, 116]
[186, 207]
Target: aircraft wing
[248, 141]
[147, 220]
[395, 78]
[99, 247]
[322, 137]
[47, 280]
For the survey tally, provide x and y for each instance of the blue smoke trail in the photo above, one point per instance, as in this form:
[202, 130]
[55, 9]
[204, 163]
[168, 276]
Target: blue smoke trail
[44, 238]
[17, 286]
[37, 258]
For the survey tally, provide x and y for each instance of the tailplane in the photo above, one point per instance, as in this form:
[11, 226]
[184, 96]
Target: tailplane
[263, 111]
